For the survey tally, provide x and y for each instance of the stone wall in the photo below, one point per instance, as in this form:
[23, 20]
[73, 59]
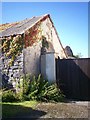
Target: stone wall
[29, 61]
[11, 75]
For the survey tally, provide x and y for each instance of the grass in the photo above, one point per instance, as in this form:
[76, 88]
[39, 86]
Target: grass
[17, 108]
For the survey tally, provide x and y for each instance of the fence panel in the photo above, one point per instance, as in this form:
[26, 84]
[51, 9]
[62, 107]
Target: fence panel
[73, 77]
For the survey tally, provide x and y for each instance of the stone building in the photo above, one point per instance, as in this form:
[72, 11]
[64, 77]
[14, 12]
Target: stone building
[23, 43]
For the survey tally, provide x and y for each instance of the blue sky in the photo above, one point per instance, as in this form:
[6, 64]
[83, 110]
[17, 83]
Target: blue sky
[70, 20]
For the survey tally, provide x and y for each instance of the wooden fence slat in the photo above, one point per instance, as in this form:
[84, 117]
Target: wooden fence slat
[74, 77]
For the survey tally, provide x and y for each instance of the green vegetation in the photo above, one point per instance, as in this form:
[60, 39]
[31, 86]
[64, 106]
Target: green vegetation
[8, 96]
[12, 47]
[34, 88]
[41, 90]
[17, 108]
[79, 55]
[32, 91]
[44, 42]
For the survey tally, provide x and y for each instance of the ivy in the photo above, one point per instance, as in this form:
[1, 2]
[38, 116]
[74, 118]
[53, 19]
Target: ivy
[33, 34]
[12, 47]
[45, 42]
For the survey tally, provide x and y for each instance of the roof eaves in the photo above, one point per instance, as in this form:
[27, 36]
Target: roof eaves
[43, 16]
[46, 15]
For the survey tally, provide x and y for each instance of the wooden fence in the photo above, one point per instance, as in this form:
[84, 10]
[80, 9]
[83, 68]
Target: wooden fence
[73, 77]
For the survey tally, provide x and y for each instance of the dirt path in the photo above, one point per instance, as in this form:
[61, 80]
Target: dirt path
[58, 110]
[64, 110]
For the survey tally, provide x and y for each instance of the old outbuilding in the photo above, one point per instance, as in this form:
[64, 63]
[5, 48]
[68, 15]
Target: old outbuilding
[29, 46]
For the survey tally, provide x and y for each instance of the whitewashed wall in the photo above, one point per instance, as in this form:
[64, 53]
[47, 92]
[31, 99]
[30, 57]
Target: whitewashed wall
[32, 59]
[51, 35]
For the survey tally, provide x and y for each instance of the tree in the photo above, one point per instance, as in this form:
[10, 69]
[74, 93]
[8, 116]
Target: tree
[79, 55]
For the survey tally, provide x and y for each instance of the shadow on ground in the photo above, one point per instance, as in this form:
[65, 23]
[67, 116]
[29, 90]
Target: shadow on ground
[15, 112]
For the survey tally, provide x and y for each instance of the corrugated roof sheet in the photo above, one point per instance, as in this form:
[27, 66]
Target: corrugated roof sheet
[20, 27]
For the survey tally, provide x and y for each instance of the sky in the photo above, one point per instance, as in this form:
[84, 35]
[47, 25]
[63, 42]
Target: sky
[70, 20]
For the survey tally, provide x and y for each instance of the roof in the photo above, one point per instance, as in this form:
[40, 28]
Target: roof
[7, 25]
[20, 27]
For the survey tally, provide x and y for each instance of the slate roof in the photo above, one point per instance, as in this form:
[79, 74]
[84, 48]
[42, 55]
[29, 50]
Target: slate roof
[7, 25]
[21, 27]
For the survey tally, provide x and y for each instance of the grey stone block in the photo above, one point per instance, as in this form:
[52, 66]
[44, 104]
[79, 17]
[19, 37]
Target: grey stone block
[16, 75]
[20, 60]
[16, 63]
[6, 71]
[10, 70]
[14, 67]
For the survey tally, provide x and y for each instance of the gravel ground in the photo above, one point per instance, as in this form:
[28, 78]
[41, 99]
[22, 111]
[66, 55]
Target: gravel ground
[59, 110]
[64, 110]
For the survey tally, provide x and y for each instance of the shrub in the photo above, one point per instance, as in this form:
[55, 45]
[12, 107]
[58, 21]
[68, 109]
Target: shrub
[38, 88]
[34, 88]
[8, 96]
[54, 93]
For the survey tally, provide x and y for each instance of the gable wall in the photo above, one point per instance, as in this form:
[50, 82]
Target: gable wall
[32, 54]
[30, 59]
[50, 34]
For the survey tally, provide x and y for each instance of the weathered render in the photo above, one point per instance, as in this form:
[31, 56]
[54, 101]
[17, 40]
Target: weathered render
[51, 35]
[32, 59]
[29, 59]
